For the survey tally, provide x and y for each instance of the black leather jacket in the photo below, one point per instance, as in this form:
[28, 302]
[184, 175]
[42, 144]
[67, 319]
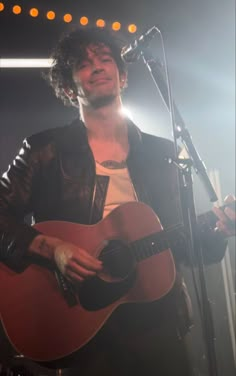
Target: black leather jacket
[53, 178]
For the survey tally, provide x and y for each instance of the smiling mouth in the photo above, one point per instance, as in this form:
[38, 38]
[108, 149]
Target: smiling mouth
[100, 81]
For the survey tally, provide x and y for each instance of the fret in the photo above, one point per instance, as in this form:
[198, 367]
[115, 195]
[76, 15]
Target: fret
[149, 246]
[160, 241]
[137, 249]
[142, 249]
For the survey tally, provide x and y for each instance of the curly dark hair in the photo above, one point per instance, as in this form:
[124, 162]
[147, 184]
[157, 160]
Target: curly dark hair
[71, 50]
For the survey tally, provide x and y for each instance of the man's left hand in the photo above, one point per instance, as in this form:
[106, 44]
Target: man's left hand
[227, 218]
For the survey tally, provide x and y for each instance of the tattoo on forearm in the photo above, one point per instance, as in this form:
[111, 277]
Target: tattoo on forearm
[45, 248]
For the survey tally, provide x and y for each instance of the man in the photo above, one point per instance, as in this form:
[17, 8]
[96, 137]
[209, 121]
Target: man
[80, 173]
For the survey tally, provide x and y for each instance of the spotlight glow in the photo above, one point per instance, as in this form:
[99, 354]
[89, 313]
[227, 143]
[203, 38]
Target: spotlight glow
[25, 63]
[1, 7]
[125, 111]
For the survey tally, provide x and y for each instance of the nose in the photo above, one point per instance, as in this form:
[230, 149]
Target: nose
[97, 65]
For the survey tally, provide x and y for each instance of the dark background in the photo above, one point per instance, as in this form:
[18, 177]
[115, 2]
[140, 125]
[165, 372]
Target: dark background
[199, 38]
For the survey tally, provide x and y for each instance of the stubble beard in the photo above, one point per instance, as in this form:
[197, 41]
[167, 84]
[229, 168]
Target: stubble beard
[98, 101]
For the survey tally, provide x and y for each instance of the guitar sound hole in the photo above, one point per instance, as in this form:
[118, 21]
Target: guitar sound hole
[117, 261]
[99, 292]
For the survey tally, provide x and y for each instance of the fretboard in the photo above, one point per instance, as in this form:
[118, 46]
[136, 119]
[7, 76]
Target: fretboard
[157, 243]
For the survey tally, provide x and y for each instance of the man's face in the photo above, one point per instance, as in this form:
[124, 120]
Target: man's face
[97, 77]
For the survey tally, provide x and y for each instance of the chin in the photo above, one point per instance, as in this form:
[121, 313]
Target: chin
[101, 101]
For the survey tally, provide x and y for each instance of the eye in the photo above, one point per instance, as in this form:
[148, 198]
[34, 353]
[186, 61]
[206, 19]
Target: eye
[83, 65]
[106, 59]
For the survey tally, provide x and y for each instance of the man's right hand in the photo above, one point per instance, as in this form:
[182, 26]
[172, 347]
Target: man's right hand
[75, 263]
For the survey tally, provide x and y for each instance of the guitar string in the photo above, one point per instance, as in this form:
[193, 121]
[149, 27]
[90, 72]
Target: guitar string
[144, 247]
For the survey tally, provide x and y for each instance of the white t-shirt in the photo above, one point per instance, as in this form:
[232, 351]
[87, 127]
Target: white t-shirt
[120, 189]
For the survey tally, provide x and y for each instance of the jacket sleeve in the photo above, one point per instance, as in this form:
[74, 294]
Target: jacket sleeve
[18, 186]
[213, 243]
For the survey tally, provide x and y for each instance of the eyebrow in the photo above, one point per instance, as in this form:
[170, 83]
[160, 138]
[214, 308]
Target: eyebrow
[99, 53]
[97, 50]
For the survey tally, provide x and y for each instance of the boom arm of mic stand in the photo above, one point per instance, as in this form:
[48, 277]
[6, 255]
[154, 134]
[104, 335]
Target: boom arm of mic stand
[156, 70]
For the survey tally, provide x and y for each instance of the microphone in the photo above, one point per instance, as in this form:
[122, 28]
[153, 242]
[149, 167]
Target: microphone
[131, 53]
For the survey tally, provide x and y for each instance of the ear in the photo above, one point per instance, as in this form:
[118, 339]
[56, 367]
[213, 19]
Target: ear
[123, 80]
[70, 94]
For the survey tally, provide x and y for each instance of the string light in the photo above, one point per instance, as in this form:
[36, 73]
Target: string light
[50, 15]
[100, 23]
[16, 9]
[84, 21]
[116, 26]
[132, 28]
[34, 12]
[67, 17]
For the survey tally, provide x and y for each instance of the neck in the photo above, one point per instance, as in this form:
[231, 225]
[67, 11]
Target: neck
[105, 123]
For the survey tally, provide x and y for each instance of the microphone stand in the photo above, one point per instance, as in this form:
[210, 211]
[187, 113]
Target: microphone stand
[161, 80]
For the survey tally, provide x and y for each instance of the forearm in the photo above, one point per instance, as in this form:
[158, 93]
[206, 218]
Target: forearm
[44, 246]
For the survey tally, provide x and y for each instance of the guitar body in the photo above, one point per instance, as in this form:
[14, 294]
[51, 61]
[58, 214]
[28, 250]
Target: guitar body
[36, 317]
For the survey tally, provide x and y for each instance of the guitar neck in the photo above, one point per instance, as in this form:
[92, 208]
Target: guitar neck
[159, 242]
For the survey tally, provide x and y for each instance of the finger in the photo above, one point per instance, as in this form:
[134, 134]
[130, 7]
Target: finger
[83, 254]
[229, 198]
[230, 214]
[89, 263]
[226, 223]
[73, 277]
[219, 213]
[80, 270]
[222, 227]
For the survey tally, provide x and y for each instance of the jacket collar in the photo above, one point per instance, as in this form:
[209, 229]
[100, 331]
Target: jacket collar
[73, 138]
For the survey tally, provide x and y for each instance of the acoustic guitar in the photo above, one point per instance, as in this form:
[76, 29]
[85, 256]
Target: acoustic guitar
[46, 318]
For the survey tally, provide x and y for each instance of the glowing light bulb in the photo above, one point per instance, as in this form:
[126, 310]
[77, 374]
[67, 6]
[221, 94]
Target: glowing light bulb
[67, 17]
[51, 15]
[84, 21]
[100, 23]
[116, 26]
[16, 9]
[34, 12]
[132, 28]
